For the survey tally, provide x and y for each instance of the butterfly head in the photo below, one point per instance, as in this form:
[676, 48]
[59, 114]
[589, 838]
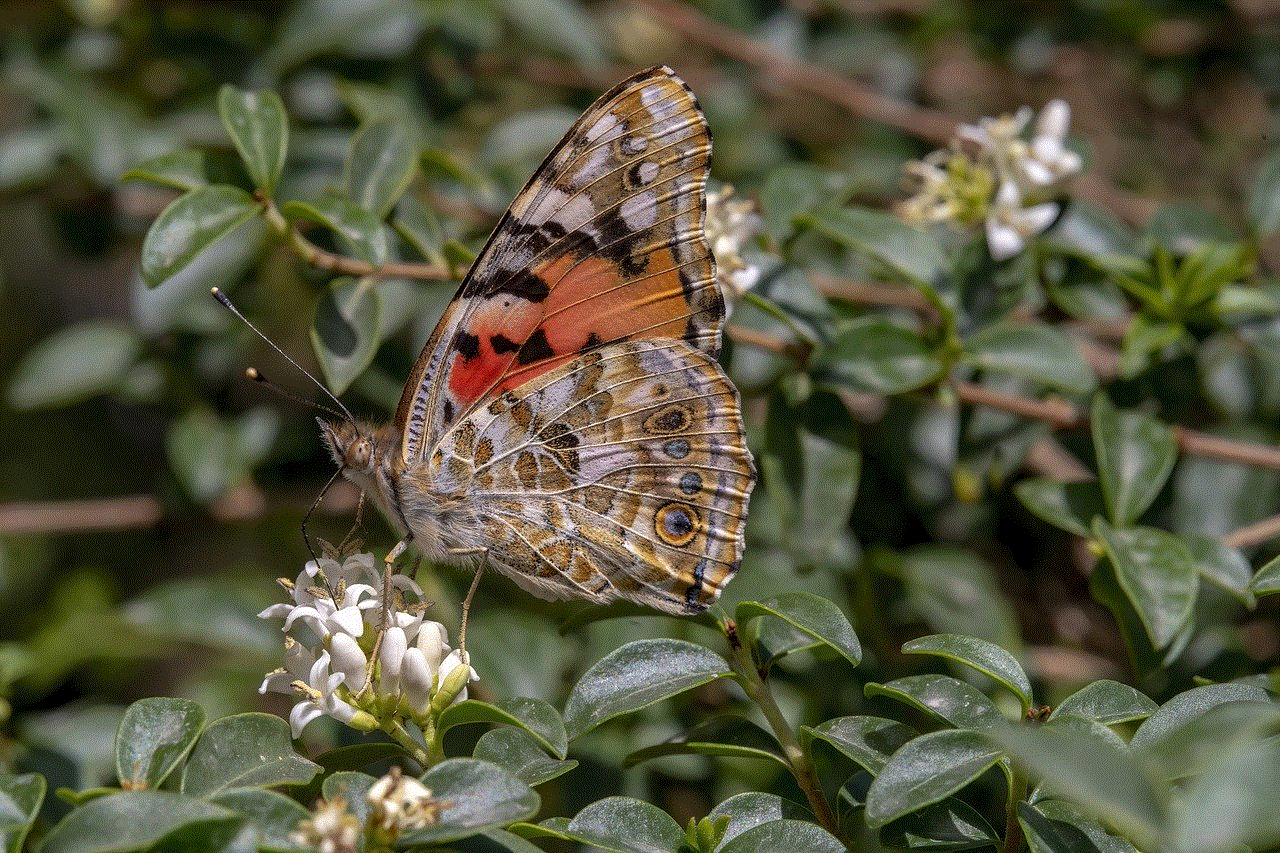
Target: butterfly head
[353, 446]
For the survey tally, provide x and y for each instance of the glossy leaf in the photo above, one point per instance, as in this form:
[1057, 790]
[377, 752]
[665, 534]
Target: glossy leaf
[784, 836]
[344, 331]
[636, 676]
[475, 796]
[519, 752]
[1233, 803]
[1135, 456]
[726, 735]
[73, 364]
[257, 124]
[1054, 826]
[903, 248]
[132, 820]
[535, 716]
[1157, 574]
[20, 799]
[1104, 781]
[1108, 702]
[272, 817]
[1185, 707]
[981, 655]
[949, 825]
[211, 228]
[352, 788]
[955, 591]
[811, 614]
[625, 825]
[154, 737]
[878, 357]
[753, 808]
[180, 170]
[1068, 506]
[244, 751]
[1222, 565]
[927, 770]
[867, 741]
[960, 704]
[1034, 351]
[1224, 729]
[1267, 579]
[358, 230]
[383, 162]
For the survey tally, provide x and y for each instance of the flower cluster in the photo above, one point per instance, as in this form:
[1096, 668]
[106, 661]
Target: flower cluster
[989, 173]
[331, 633]
[397, 804]
[731, 223]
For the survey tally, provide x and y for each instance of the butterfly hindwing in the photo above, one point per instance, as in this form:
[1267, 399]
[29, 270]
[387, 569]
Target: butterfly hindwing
[604, 244]
[621, 473]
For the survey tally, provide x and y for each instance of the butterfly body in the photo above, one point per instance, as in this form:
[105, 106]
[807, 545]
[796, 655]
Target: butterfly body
[567, 422]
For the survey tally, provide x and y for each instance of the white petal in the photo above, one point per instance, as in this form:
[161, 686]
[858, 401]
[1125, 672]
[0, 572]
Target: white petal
[1002, 240]
[339, 710]
[1035, 219]
[276, 611]
[415, 679]
[303, 713]
[349, 659]
[433, 640]
[1037, 172]
[348, 620]
[309, 615]
[1068, 163]
[457, 658]
[390, 658]
[1008, 197]
[1054, 120]
[278, 681]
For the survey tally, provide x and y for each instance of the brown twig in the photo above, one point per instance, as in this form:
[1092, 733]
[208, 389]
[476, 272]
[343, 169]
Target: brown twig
[1254, 534]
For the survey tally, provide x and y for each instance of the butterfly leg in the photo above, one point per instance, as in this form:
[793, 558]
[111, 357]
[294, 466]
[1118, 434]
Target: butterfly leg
[393, 555]
[466, 602]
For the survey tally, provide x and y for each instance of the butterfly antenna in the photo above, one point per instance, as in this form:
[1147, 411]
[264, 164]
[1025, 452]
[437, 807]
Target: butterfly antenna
[256, 375]
[226, 303]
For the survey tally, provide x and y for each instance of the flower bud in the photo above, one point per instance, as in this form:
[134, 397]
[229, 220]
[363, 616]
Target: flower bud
[416, 677]
[433, 640]
[390, 659]
[349, 659]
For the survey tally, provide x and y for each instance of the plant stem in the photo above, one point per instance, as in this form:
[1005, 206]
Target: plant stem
[1017, 793]
[801, 768]
[396, 730]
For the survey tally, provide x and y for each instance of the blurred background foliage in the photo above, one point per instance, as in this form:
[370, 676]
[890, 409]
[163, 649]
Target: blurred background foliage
[151, 494]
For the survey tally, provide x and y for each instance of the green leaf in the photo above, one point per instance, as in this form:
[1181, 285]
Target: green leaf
[636, 676]
[352, 788]
[1054, 826]
[202, 455]
[521, 754]
[132, 820]
[626, 825]
[828, 486]
[344, 332]
[949, 825]
[878, 357]
[1232, 804]
[212, 229]
[1135, 455]
[73, 364]
[20, 801]
[1185, 707]
[1157, 574]
[384, 159]
[949, 699]
[812, 615]
[272, 817]
[867, 741]
[476, 796]
[909, 251]
[563, 26]
[753, 808]
[1263, 203]
[358, 230]
[784, 836]
[927, 770]
[1034, 351]
[1104, 781]
[789, 192]
[955, 591]
[535, 716]
[155, 736]
[257, 124]
[1267, 580]
[1190, 746]
[726, 735]
[1067, 506]
[981, 655]
[181, 170]
[1108, 702]
[420, 226]
[244, 751]
[1222, 565]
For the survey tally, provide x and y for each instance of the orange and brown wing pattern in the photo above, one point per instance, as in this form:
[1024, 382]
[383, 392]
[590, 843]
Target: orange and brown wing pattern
[604, 244]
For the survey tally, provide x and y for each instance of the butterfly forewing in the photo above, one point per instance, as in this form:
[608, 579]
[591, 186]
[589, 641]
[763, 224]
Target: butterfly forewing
[604, 244]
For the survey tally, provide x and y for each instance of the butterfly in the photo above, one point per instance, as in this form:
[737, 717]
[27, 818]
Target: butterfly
[567, 422]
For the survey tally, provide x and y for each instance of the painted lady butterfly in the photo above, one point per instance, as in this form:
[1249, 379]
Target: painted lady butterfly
[567, 422]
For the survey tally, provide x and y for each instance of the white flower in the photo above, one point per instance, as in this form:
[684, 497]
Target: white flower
[1048, 159]
[399, 803]
[329, 829]
[331, 630]
[731, 223]
[1009, 224]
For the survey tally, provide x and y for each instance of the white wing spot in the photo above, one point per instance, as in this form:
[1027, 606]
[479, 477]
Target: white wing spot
[633, 145]
[603, 125]
[639, 211]
[647, 171]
